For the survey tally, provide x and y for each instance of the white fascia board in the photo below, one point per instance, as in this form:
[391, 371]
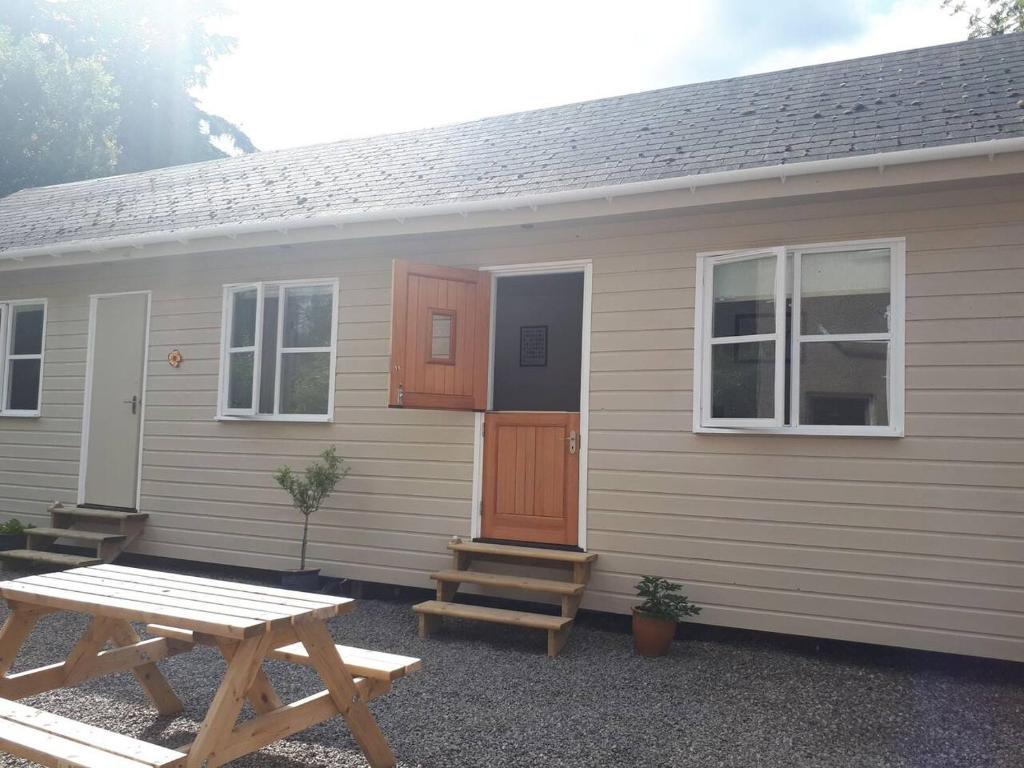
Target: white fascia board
[410, 216]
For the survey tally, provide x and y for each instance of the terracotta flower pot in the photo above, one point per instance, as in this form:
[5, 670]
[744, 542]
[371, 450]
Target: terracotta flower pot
[652, 636]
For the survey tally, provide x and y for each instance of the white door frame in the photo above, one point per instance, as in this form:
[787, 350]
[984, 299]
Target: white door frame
[87, 407]
[585, 266]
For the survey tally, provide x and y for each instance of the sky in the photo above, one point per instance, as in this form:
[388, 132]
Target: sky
[311, 71]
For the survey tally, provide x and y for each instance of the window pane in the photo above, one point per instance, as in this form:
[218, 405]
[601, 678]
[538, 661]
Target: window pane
[744, 297]
[844, 382]
[268, 355]
[305, 382]
[307, 316]
[743, 380]
[441, 325]
[844, 292]
[243, 318]
[24, 385]
[240, 380]
[28, 330]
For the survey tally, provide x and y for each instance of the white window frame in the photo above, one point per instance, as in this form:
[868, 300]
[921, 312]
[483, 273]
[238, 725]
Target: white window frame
[228, 332]
[7, 357]
[252, 414]
[779, 337]
[895, 338]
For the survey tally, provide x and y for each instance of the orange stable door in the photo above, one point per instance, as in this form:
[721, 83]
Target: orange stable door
[440, 326]
[531, 477]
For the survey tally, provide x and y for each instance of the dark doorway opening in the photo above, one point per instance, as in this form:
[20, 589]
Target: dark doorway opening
[538, 342]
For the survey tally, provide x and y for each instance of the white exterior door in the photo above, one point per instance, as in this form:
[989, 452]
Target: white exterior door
[113, 416]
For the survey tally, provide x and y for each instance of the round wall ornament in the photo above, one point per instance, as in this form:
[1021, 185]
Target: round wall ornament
[174, 358]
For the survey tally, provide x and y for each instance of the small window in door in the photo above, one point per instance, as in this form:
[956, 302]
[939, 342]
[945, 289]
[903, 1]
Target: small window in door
[442, 336]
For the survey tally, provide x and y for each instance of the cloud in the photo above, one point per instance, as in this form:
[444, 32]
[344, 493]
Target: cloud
[310, 71]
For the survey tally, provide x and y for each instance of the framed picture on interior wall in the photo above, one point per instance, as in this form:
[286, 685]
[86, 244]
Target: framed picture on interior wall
[533, 346]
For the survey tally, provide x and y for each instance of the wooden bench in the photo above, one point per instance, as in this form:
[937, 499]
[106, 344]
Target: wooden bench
[374, 665]
[58, 742]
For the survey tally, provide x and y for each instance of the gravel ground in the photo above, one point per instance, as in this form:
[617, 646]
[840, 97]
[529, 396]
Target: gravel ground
[488, 696]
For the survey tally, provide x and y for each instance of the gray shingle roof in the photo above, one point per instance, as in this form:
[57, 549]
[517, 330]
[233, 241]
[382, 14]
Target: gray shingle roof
[949, 94]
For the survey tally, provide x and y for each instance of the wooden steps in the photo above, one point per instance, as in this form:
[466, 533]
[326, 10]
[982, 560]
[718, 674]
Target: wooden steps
[523, 583]
[108, 531]
[95, 515]
[494, 615]
[510, 552]
[58, 742]
[570, 592]
[75, 535]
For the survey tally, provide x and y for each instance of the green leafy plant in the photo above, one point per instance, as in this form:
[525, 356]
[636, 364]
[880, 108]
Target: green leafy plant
[13, 527]
[663, 599]
[990, 18]
[309, 489]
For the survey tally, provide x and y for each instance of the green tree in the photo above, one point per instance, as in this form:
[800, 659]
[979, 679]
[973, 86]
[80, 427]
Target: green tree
[58, 116]
[995, 17]
[309, 489]
[155, 53]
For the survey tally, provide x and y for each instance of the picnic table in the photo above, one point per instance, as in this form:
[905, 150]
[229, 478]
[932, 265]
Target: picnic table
[247, 623]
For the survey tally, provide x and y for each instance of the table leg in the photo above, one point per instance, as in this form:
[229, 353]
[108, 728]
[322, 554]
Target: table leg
[149, 675]
[327, 661]
[261, 695]
[89, 644]
[19, 625]
[227, 703]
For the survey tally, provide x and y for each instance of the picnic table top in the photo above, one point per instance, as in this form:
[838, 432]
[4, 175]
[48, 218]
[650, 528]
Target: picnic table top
[213, 606]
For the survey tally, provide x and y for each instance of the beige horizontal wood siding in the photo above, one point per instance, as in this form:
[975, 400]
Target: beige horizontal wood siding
[39, 456]
[915, 541]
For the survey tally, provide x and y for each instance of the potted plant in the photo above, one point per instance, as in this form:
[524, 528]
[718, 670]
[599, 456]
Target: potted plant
[12, 534]
[655, 619]
[308, 490]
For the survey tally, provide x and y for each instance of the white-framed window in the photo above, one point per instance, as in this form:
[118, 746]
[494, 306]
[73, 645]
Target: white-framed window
[22, 345]
[278, 350]
[804, 339]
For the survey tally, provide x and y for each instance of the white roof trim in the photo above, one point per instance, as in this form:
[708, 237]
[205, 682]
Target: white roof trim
[879, 160]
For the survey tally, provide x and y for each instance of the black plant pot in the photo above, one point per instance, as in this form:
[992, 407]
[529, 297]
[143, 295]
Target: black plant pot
[303, 581]
[12, 541]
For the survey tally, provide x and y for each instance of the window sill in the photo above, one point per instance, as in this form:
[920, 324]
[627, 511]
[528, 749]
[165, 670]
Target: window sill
[20, 414]
[804, 431]
[285, 419]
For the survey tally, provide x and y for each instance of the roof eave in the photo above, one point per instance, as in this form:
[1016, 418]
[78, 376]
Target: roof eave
[415, 219]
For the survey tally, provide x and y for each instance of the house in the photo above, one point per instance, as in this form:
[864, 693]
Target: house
[763, 335]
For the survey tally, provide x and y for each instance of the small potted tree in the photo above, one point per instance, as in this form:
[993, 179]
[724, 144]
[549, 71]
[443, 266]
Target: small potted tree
[308, 491]
[12, 534]
[655, 619]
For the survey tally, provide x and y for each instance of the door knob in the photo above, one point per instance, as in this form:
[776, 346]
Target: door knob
[572, 441]
[134, 402]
